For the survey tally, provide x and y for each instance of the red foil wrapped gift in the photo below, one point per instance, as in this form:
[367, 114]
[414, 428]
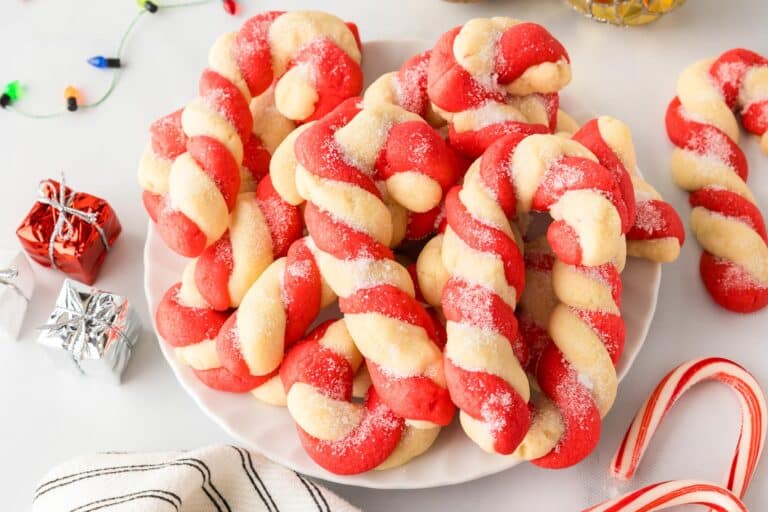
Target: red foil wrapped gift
[68, 230]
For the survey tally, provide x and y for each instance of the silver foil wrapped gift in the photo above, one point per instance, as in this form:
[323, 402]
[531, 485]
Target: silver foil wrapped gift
[17, 283]
[95, 329]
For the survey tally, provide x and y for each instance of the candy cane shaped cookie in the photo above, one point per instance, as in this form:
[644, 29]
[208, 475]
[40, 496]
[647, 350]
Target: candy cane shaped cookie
[397, 148]
[753, 418]
[203, 181]
[261, 228]
[168, 141]
[709, 163]
[275, 312]
[674, 493]
[657, 232]
[406, 88]
[483, 360]
[188, 325]
[313, 58]
[481, 73]
[351, 229]
[576, 372]
[562, 177]
[537, 301]
[340, 435]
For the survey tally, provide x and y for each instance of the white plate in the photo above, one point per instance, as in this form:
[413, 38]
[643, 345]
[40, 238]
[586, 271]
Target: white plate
[271, 431]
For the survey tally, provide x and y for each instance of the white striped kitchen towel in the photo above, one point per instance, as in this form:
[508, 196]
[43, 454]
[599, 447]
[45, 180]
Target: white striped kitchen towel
[216, 478]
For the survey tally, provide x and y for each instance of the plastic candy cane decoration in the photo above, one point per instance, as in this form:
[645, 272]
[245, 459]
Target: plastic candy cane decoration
[664, 495]
[677, 382]
[492, 76]
[709, 163]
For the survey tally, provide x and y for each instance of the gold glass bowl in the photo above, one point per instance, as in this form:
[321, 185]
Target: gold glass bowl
[625, 12]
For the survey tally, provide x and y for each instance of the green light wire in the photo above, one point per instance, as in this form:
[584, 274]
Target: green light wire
[117, 72]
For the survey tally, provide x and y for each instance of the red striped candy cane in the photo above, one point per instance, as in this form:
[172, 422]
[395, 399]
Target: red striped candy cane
[664, 495]
[678, 381]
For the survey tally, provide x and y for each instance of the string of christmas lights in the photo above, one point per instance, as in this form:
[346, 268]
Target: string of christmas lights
[14, 90]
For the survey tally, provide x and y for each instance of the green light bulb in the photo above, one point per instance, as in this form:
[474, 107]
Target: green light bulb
[14, 90]
[149, 5]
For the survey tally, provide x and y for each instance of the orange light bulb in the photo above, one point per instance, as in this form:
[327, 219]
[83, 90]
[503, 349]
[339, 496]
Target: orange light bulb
[72, 95]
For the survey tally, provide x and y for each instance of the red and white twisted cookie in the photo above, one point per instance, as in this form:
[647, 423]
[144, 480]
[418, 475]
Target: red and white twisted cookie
[261, 228]
[576, 372]
[340, 435]
[351, 229]
[383, 141]
[313, 59]
[168, 141]
[709, 163]
[406, 88]
[203, 182]
[562, 177]
[674, 493]
[657, 232]
[537, 301]
[484, 358]
[189, 326]
[276, 312]
[493, 75]
[754, 418]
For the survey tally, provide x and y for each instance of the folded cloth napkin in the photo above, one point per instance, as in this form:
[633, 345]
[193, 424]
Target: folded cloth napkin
[216, 478]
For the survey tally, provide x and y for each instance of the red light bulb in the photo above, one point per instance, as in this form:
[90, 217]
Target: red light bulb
[230, 6]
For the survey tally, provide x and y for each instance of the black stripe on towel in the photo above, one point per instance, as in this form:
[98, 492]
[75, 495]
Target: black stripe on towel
[256, 474]
[250, 477]
[309, 490]
[196, 464]
[320, 493]
[172, 499]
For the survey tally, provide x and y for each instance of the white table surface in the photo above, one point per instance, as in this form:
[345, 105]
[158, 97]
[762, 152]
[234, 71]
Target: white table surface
[48, 416]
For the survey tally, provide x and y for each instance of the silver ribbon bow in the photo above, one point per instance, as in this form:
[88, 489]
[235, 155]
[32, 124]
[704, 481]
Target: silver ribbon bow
[7, 276]
[62, 202]
[85, 323]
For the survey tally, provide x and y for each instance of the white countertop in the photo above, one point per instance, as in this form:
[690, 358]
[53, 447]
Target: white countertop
[49, 416]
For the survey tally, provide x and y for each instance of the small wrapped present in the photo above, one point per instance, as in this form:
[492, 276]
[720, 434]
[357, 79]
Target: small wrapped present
[95, 329]
[70, 231]
[17, 283]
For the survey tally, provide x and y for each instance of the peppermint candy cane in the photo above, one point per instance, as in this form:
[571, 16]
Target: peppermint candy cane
[664, 495]
[678, 381]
